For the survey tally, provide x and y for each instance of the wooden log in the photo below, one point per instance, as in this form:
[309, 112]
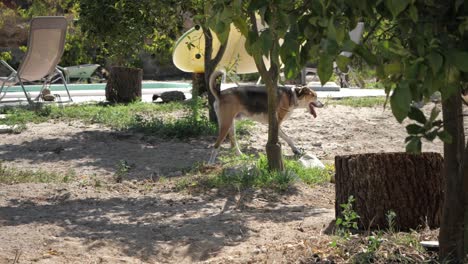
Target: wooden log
[124, 85]
[411, 185]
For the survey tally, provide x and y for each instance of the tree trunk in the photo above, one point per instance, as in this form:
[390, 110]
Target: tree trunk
[198, 84]
[210, 65]
[273, 147]
[452, 227]
[408, 184]
[124, 85]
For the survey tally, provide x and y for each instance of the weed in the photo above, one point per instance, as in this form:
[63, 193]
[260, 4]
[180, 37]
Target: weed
[9, 175]
[349, 219]
[244, 126]
[359, 101]
[184, 127]
[122, 171]
[248, 171]
[391, 216]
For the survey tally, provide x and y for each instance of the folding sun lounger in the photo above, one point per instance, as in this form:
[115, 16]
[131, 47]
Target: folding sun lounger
[45, 48]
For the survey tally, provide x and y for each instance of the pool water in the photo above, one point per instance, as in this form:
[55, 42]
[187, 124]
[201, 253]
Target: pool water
[98, 86]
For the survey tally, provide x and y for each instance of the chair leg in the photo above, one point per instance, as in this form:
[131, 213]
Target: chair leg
[4, 89]
[24, 90]
[65, 84]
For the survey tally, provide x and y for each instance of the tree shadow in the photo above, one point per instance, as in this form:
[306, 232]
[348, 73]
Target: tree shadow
[98, 151]
[151, 227]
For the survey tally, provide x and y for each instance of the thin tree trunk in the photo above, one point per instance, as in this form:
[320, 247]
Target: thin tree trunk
[451, 230]
[270, 77]
[273, 147]
[210, 65]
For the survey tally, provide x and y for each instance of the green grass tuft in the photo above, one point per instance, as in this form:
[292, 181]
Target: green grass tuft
[140, 117]
[9, 175]
[359, 101]
[242, 172]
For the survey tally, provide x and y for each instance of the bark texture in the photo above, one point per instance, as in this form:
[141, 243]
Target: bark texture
[411, 185]
[452, 228]
[124, 85]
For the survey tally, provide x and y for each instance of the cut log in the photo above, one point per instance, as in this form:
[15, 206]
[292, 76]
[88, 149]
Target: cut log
[411, 185]
[124, 85]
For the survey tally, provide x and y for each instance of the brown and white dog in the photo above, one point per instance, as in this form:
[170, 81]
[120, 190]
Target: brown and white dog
[251, 101]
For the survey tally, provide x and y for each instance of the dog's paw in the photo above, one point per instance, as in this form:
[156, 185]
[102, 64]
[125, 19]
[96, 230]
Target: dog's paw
[298, 152]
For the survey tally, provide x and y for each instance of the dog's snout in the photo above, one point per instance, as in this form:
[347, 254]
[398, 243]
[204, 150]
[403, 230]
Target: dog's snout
[317, 104]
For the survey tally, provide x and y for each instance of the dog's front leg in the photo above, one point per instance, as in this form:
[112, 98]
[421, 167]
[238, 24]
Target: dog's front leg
[288, 140]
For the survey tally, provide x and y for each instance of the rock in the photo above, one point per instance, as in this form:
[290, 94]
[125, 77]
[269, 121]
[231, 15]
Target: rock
[311, 161]
[47, 96]
[4, 129]
[172, 96]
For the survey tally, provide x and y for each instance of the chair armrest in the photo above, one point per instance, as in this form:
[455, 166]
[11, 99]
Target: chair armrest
[7, 66]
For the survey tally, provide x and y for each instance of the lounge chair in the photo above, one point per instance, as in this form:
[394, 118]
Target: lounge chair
[79, 72]
[355, 35]
[45, 48]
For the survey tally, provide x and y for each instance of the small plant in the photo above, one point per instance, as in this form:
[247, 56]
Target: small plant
[374, 242]
[359, 102]
[122, 170]
[391, 216]
[11, 175]
[349, 220]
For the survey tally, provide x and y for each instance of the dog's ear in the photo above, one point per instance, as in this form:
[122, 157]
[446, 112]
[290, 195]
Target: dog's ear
[298, 91]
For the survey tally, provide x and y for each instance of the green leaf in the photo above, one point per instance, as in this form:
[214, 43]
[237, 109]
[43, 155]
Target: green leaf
[342, 62]
[435, 61]
[414, 129]
[413, 12]
[392, 68]
[416, 114]
[367, 55]
[331, 31]
[434, 113]
[445, 137]
[325, 68]
[266, 40]
[414, 145]
[459, 59]
[241, 25]
[431, 135]
[400, 101]
[396, 6]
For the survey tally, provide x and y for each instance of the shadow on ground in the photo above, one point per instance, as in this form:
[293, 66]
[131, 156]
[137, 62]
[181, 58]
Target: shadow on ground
[99, 151]
[149, 228]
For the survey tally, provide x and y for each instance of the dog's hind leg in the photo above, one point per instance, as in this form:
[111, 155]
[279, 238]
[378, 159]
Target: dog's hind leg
[223, 131]
[288, 140]
[232, 138]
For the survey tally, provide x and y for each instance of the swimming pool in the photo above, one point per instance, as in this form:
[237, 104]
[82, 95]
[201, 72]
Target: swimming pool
[99, 87]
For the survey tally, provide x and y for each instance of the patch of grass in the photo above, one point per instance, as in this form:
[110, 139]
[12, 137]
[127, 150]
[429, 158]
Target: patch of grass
[9, 175]
[248, 171]
[244, 126]
[183, 127]
[141, 117]
[359, 101]
[116, 116]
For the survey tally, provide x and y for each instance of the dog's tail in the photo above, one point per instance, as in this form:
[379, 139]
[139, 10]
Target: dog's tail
[215, 92]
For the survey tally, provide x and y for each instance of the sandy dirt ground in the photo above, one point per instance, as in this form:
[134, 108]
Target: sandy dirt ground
[144, 220]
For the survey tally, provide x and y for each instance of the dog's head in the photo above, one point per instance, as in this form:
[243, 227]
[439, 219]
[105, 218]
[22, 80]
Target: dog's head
[306, 97]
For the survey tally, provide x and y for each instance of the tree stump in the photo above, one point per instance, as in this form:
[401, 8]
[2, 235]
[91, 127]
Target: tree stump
[124, 85]
[411, 185]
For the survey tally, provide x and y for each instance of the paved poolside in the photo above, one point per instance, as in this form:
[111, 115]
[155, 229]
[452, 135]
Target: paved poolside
[80, 96]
